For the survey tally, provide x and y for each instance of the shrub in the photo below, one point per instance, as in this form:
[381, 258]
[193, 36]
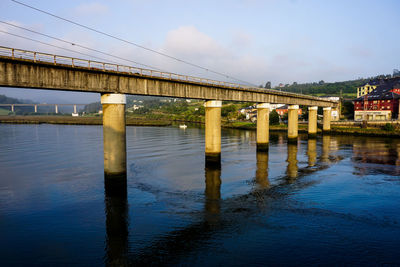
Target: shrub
[388, 127]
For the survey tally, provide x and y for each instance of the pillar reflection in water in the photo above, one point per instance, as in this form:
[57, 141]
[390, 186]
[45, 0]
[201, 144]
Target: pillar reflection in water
[292, 168]
[312, 152]
[116, 209]
[326, 142]
[262, 170]
[212, 192]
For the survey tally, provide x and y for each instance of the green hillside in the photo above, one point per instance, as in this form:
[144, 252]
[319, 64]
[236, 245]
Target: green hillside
[348, 89]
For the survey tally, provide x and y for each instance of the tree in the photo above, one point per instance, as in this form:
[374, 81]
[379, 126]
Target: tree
[273, 118]
[268, 85]
[227, 109]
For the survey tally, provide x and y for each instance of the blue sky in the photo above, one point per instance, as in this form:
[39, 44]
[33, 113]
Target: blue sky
[257, 41]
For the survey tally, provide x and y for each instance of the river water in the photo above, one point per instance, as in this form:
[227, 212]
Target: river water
[332, 201]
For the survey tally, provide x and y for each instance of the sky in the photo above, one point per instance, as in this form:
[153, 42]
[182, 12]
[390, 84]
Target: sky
[282, 41]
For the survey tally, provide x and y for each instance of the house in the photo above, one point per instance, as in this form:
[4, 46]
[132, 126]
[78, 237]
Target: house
[285, 108]
[380, 104]
[249, 112]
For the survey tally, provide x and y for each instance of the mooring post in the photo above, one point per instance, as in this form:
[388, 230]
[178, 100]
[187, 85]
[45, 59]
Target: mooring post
[312, 122]
[213, 132]
[263, 127]
[114, 134]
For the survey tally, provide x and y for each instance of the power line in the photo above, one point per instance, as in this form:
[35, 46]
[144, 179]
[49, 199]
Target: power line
[70, 50]
[131, 43]
[78, 45]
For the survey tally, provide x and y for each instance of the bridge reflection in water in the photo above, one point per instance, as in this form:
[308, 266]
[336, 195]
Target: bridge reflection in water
[215, 213]
[116, 210]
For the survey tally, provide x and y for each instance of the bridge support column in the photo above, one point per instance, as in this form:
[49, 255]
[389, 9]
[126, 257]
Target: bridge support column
[213, 132]
[75, 109]
[326, 126]
[12, 108]
[293, 124]
[263, 127]
[114, 134]
[312, 122]
[35, 108]
[56, 108]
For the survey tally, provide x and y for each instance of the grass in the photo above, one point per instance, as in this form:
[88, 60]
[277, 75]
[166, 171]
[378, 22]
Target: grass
[4, 112]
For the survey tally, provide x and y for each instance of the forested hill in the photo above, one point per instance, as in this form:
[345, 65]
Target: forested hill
[348, 88]
[9, 100]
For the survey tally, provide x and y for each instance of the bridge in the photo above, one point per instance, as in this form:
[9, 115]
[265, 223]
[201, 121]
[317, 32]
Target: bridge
[35, 106]
[30, 69]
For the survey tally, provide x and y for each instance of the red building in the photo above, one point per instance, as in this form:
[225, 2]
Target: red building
[381, 104]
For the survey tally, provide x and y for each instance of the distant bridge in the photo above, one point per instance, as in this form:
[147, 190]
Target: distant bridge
[35, 106]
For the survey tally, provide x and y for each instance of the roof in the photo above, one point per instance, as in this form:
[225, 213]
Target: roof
[284, 107]
[382, 92]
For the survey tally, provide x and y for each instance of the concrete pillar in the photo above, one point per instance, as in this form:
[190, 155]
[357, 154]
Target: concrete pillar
[56, 107]
[293, 125]
[326, 126]
[12, 108]
[213, 132]
[263, 127]
[292, 168]
[312, 152]
[35, 108]
[262, 170]
[114, 134]
[75, 109]
[312, 122]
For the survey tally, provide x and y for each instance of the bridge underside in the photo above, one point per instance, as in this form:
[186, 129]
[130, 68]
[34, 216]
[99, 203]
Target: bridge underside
[28, 74]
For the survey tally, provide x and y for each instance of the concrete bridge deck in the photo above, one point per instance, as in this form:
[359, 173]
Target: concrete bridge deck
[28, 69]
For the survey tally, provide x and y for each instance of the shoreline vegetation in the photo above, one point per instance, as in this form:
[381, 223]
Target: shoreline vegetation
[337, 128]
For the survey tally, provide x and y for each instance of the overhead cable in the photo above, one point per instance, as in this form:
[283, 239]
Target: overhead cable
[78, 45]
[132, 43]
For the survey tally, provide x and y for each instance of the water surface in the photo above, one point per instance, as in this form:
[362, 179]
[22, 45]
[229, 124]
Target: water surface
[334, 200]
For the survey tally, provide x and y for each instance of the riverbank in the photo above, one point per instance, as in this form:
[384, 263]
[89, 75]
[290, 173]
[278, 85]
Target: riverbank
[141, 121]
[77, 120]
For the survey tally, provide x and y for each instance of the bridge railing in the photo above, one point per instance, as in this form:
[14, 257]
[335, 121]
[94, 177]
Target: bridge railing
[77, 62]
